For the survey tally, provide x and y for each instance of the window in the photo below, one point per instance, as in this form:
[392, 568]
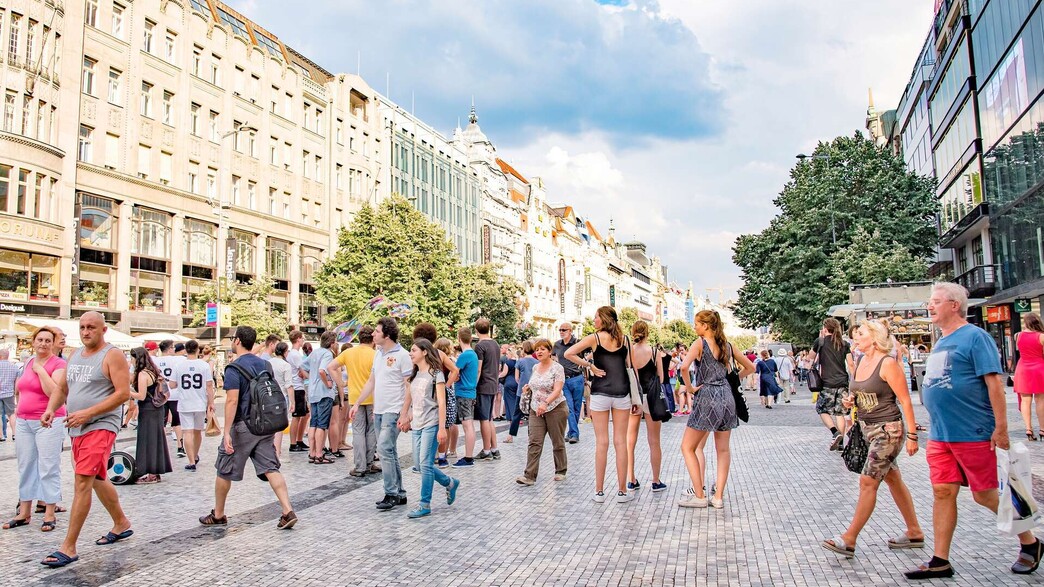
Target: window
[115, 86]
[215, 70]
[200, 6]
[146, 99]
[255, 88]
[288, 104]
[240, 81]
[212, 183]
[237, 26]
[339, 131]
[12, 45]
[170, 45]
[273, 151]
[288, 153]
[88, 76]
[144, 161]
[306, 116]
[117, 21]
[27, 112]
[318, 121]
[9, 108]
[235, 191]
[41, 121]
[318, 169]
[84, 151]
[200, 241]
[38, 195]
[194, 119]
[30, 40]
[269, 44]
[252, 144]
[278, 265]
[166, 168]
[245, 250]
[286, 205]
[168, 108]
[112, 151]
[23, 188]
[252, 195]
[146, 43]
[90, 15]
[151, 230]
[273, 107]
[215, 134]
[272, 203]
[5, 183]
[193, 177]
[337, 176]
[197, 60]
[304, 164]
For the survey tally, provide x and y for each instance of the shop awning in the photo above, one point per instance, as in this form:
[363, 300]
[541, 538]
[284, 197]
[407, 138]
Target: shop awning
[71, 328]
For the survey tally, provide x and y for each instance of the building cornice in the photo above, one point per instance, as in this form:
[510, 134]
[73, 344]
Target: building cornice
[21, 140]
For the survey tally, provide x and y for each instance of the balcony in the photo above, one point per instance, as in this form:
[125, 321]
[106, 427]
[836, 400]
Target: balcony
[980, 281]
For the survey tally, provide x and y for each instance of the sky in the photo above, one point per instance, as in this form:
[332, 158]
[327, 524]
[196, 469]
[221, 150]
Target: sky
[677, 119]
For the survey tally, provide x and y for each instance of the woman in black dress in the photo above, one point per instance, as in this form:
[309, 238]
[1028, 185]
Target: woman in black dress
[151, 457]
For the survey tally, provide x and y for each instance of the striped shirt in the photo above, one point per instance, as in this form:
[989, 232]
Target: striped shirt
[8, 374]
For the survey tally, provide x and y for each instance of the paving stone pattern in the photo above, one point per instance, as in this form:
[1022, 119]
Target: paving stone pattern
[786, 493]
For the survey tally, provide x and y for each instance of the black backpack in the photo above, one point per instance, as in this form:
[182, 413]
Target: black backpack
[266, 404]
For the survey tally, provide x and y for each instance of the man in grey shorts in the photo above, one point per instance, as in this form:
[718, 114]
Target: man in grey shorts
[239, 445]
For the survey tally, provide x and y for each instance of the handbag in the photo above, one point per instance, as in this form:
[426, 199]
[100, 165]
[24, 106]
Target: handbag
[742, 412]
[815, 377]
[161, 392]
[212, 426]
[632, 379]
[856, 449]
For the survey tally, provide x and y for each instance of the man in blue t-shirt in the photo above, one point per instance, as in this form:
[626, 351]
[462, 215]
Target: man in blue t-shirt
[239, 444]
[964, 394]
[466, 390]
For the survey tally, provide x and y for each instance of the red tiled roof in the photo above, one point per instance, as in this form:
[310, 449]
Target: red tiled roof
[508, 169]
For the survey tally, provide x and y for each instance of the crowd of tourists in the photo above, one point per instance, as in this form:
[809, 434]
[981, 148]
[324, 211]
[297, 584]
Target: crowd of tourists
[438, 388]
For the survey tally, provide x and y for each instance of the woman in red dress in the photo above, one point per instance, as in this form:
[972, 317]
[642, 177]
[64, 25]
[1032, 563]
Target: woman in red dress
[1029, 372]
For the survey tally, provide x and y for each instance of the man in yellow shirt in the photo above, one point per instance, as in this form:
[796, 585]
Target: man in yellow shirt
[357, 363]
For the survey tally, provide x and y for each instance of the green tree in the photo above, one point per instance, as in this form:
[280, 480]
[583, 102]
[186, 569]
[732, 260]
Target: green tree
[496, 297]
[249, 306]
[744, 341]
[794, 270]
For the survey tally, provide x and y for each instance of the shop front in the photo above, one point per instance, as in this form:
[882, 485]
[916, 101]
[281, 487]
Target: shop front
[30, 269]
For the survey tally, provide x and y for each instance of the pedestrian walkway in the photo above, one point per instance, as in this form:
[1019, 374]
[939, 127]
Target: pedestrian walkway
[787, 493]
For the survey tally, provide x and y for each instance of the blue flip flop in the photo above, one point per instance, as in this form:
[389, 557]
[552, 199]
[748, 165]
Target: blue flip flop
[60, 559]
[111, 538]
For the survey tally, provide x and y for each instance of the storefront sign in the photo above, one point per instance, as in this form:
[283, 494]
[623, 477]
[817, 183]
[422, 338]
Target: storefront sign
[487, 245]
[30, 231]
[529, 264]
[561, 285]
[75, 271]
[231, 254]
[226, 316]
[1023, 306]
[28, 309]
[612, 295]
[996, 314]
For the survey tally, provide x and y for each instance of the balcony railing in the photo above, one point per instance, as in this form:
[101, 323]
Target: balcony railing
[980, 281]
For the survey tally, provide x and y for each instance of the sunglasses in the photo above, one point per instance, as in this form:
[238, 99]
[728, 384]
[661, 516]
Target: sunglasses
[564, 330]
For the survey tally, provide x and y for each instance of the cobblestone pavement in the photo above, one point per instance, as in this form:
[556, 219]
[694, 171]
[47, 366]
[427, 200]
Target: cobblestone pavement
[786, 493]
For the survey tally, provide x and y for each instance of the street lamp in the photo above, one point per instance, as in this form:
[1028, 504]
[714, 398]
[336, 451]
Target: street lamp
[824, 157]
[221, 211]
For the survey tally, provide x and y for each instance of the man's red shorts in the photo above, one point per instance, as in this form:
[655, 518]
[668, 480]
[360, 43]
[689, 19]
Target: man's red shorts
[973, 464]
[91, 453]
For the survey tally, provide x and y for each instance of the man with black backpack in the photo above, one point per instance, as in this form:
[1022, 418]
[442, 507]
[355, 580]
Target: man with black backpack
[252, 416]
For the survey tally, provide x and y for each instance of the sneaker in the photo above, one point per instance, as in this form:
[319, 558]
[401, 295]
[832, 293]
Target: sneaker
[387, 503]
[451, 454]
[495, 453]
[837, 442]
[357, 473]
[190, 467]
[693, 502]
[572, 439]
[560, 476]
[442, 463]
[287, 521]
[658, 487]
[464, 462]
[599, 497]
[635, 486]
[484, 456]
[717, 503]
[523, 480]
[415, 470]
[181, 452]
[375, 469]
[301, 445]
[451, 491]
[420, 512]
[624, 497]
[1028, 559]
[295, 448]
[401, 500]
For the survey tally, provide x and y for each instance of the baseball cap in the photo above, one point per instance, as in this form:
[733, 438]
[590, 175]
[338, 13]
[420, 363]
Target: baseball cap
[179, 347]
[150, 345]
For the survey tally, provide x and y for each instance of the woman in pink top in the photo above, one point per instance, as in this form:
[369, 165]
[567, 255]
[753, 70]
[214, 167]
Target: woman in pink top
[1029, 372]
[39, 449]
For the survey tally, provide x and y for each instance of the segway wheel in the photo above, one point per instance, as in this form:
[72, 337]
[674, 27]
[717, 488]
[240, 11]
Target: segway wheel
[121, 468]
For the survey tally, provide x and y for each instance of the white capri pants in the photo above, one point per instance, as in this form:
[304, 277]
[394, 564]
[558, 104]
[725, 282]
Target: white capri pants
[39, 452]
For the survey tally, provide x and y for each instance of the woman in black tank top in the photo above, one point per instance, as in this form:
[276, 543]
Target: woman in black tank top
[877, 383]
[650, 376]
[610, 391]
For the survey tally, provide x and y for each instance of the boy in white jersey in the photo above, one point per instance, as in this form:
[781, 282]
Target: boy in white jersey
[194, 383]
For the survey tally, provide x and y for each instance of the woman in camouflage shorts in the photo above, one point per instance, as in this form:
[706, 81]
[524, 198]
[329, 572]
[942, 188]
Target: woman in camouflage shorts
[878, 389]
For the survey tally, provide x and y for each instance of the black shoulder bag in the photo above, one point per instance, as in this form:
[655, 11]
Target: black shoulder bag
[734, 383]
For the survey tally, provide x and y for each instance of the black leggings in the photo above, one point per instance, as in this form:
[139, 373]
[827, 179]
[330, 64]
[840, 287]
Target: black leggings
[172, 409]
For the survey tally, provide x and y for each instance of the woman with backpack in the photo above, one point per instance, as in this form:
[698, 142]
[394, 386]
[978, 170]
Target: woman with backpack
[151, 456]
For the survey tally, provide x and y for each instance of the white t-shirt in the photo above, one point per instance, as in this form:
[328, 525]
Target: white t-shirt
[425, 403]
[282, 370]
[296, 359]
[166, 365]
[389, 384]
[191, 376]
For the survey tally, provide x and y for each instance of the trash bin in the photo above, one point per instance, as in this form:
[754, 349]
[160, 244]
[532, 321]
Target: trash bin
[918, 382]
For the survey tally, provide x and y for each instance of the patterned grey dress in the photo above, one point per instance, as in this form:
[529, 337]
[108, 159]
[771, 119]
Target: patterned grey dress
[713, 409]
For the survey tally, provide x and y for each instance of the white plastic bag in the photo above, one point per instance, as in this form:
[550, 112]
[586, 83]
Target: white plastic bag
[1017, 511]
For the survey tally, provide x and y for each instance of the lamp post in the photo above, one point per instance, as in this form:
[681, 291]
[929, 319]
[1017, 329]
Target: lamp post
[825, 157]
[221, 210]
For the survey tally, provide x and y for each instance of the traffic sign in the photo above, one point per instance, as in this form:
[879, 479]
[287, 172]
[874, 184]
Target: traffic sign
[212, 314]
[1023, 305]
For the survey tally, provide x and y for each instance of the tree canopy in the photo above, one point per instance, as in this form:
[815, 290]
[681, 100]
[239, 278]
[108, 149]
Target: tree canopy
[395, 252]
[248, 303]
[881, 215]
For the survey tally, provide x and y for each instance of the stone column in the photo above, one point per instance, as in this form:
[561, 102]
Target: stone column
[123, 267]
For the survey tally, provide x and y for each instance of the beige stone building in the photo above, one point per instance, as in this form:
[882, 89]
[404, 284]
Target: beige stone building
[144, 141]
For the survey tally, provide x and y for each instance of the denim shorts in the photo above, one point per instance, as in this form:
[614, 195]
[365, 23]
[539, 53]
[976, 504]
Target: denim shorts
[321, 411]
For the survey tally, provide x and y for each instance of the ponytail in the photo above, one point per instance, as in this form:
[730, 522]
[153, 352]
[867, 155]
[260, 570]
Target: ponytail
[833, 328]
[711, 319]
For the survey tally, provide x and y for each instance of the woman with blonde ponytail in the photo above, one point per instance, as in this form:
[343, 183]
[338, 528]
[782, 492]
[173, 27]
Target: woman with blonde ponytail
[713, 408]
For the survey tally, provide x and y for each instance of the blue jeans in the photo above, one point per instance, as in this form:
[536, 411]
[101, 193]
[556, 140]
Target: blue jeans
[425, 445]
[387, 434]
[574, 395]
[510, 402]
[668, 394]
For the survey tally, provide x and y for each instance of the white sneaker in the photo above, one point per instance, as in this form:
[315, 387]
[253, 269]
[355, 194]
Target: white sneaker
[717, 503]
[599, 497]
[693, 502]
[624, 496]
